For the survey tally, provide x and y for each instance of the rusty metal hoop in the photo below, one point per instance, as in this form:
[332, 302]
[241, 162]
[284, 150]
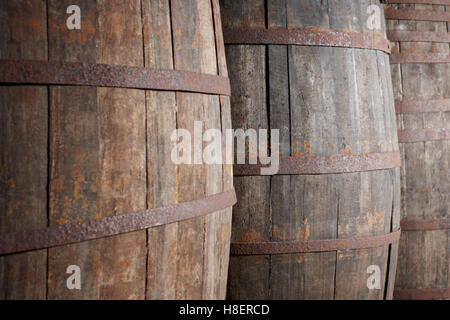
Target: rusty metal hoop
[419, 15]
[292, 247]
[326, 164]
[438, 2]
[423, 135]
[425, 225]
[69, 233]
[418, 36]
[104, 75]
[308, 37]
[421, 293]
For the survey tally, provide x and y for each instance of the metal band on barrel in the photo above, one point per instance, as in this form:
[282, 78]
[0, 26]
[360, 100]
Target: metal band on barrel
[418, 36]
[308, 37]
[326, 164]
[396, 58]
[104, 75]
[422, 294]
[425, 225]
[419, 106]
[70, 233]
[439, 2]
[292, 247]
[418, 15]
[423, 135]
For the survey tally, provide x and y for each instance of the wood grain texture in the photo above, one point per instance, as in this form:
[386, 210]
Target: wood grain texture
[23, 149]
[96, 154]
[324, 101]
[108, 151]
[425, 176]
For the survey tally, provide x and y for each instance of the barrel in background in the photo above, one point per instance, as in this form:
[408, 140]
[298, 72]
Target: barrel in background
[72, 153]
[326, 101]
[421, 80]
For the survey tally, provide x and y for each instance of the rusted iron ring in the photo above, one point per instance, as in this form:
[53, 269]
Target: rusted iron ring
[396, 58]
[69, 233]
[292, 247]
[425, 225]
[419, 106]
[421, 294]
[418, 15]
[105, 75]
[308, 37]
[439, 2]
[418, 36]
[326, 164]
[423, 135]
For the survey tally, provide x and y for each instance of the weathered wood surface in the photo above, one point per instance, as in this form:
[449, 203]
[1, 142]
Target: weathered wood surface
[84, 152]
[425, 176]
[324, 101]
[24, 149]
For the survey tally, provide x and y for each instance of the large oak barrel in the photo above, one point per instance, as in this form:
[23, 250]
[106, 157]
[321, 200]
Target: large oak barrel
[421, 81]
[85, 150]
[326, 226]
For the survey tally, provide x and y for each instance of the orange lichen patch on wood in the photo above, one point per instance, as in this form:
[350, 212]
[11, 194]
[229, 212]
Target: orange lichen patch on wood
[12, 208]
[198, 38]
[365, 223]
[370, 221]
[35, 23]
[364, 253]
[59, 183]
[308, 146]
[79, 219]
[299, 258]
[133, 296]
[10, 183]
[381, 145]
[347, 150]
[126, 261]
[78, 179]
[366, 146]
[306, 230]
[67, 201]
[376, 219]
[63, 221]
[177, 33]
[298, 154]
[434, 48]
[164, 37]
[251, 236]
[27, 212]
[412, 49]
[390, 146]
[223, 234]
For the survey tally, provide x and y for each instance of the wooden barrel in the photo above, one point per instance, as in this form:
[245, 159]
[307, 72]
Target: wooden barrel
[421, 81]
[326, 226]
[88, 187]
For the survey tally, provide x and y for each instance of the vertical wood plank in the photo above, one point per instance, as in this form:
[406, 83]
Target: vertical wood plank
[194, 50]
[97, 158]
[24, 148]
[248, 276]
[162, 172]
